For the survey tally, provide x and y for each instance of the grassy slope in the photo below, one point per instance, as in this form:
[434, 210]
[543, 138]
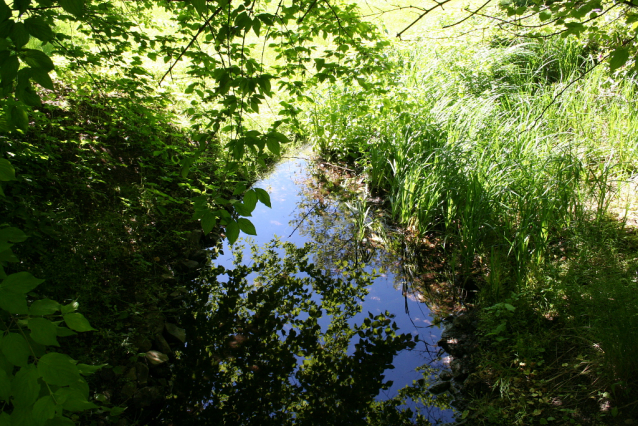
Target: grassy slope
[529, 206]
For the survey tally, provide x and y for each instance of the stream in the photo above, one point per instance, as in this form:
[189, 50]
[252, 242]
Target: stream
[299, 215]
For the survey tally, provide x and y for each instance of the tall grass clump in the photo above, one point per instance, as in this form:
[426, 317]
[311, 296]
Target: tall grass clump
[479, 146]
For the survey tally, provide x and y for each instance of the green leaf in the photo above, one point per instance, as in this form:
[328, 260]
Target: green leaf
[618, 58]
[545, 15]
[208, 222]
[13, 303]
[5, 386]
[74, 7]
[9, 70]
[6, 27]
[5, 419]
[44, 307]
[58, 369]
[25, 386]
[44, 409]
[7, 172]
[263, 196]
[42, 77]
[279, 137]
[44, 331]
[65, 332]
[116, 411]
[19, 34]
[5, 12]
[39, 29]
[250, 200]
[60, 421]
[273, 145]
[38, 59]
[86, 369]
[77, 322]
[232, 231]
[20, 283]
[200, 6]
[19, 118]
[13, 234]
[16, 349]
[74, 399]
[246, 226]
[21, 5]
[71, 307]
[29, 96]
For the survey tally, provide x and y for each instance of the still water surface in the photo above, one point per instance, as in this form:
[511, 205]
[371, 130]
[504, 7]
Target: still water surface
[290, 219]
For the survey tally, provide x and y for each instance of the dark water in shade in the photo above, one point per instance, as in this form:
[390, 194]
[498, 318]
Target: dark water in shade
[285, 185]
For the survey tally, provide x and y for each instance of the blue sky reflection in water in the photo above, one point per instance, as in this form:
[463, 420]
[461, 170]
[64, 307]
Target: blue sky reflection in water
[298, 218]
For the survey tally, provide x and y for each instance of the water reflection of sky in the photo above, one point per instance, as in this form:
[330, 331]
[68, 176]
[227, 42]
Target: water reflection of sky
[282, 220]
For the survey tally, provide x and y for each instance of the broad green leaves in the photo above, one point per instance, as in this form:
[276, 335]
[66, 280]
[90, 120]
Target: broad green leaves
[58, 369]
[16, 349]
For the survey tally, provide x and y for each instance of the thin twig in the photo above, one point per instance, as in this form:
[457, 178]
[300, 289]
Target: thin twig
[425, 12]
[201, 28]
[469, 16]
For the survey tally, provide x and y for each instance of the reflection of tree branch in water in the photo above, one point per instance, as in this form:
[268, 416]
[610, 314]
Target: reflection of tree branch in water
[304, 217]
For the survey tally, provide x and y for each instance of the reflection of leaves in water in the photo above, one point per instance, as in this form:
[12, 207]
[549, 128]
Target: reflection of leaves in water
[275, 350]
[343, 229]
